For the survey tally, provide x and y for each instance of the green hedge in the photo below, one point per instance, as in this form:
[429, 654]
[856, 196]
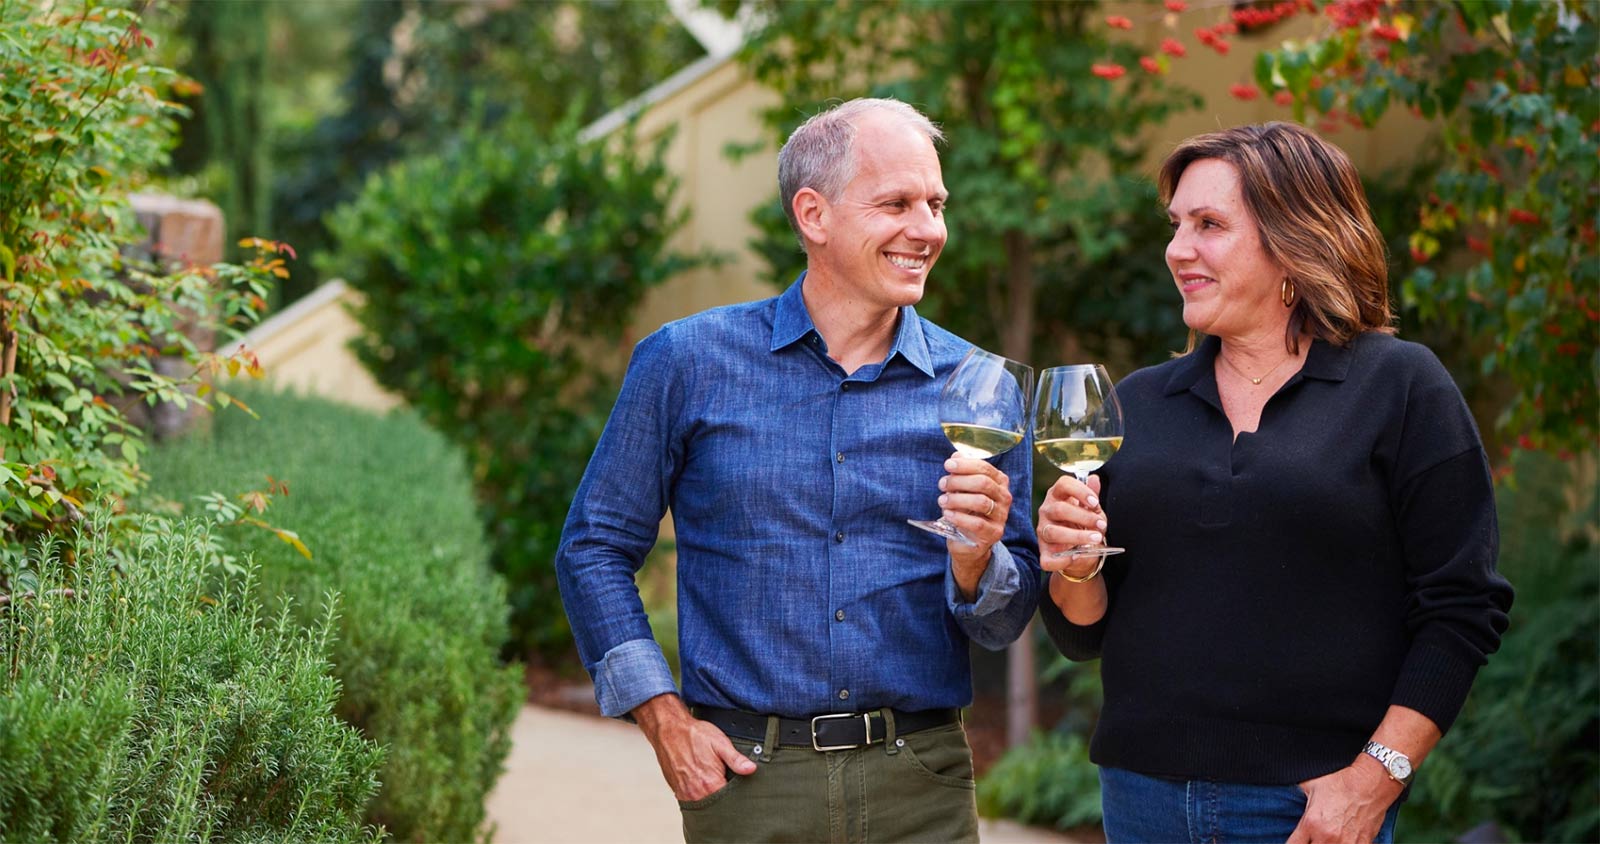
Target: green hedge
[152, 706]
[386, 507]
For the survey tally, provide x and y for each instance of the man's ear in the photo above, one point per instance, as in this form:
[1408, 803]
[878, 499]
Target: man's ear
[812, 213]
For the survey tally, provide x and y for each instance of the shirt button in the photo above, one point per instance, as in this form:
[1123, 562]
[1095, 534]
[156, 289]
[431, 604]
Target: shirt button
[839, 457]
[838, 537]
[845, 386]
[844, 694]
[838, 615]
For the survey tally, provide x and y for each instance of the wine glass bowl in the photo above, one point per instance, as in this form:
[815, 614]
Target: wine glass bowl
[983, 410]
[1078, 427]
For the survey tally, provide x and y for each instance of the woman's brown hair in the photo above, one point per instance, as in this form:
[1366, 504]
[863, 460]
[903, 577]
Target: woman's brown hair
[1313, 219]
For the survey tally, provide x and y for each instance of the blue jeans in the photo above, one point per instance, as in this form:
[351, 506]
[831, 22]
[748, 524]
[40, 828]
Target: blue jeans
[1138, 808]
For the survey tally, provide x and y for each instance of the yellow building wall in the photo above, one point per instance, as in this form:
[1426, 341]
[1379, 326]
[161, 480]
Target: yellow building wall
[721, 108]
[305, 348]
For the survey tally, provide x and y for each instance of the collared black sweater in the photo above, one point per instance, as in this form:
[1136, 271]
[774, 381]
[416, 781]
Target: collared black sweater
[1281, 591]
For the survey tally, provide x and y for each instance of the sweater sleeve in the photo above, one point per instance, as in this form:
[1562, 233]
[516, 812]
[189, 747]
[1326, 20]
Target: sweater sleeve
[1075, 641]
[1444, 508]
[1458, 606]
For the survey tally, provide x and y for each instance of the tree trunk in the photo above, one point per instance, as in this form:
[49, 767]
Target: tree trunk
[1016, 340]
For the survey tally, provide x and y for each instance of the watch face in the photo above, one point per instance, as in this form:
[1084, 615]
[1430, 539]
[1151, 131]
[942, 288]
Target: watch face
[1401, 766]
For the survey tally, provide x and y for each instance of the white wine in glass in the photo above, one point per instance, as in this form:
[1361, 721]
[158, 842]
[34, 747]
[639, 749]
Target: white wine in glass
[983, 410]
[980, 441]
[1078, 427]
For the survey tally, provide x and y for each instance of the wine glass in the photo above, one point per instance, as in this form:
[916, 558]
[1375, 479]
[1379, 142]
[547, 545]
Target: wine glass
[983, 409]
[1077, 427]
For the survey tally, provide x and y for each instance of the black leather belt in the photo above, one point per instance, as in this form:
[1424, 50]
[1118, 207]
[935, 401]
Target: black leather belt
[841, 731]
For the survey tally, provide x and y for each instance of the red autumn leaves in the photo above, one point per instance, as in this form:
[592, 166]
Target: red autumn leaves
[1216, 37]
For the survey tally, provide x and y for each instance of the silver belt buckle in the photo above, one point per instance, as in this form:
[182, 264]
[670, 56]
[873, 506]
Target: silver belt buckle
[866, 719]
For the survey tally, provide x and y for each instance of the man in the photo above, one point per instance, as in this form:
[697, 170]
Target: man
[823, 640]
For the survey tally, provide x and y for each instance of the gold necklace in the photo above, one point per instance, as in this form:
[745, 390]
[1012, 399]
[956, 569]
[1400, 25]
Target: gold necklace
[1255, 381]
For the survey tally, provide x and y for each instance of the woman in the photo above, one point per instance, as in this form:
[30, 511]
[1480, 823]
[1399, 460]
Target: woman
[1309, 587]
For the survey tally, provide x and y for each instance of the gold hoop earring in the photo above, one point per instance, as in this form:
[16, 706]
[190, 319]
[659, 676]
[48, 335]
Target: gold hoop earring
[1286, 293]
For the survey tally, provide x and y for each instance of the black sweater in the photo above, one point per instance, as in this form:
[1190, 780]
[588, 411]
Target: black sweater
[1281, 591]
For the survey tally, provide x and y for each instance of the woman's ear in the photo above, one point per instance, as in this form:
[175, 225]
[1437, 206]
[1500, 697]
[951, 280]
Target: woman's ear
[812, 213]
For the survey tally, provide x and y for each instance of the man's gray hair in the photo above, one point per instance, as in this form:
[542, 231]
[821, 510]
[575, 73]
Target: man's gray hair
[820, 154]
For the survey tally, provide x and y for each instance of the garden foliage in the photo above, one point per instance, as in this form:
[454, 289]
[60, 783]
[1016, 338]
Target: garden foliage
[1047, 782]
[81, 328]
[140, 700]
[500, 275]
[387, 507]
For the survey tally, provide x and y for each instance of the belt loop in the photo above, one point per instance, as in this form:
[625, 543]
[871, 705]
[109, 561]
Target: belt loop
[770, 746]
[891, 744]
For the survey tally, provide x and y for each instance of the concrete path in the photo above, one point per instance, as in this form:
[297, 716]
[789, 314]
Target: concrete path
[580, 779]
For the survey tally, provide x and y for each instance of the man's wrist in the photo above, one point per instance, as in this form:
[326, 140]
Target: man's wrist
[969, 576]
[658, 711]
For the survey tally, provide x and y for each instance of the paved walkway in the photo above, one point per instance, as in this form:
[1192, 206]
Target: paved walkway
[580, 779]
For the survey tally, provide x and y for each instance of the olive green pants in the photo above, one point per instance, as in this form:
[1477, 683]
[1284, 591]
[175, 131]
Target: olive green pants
[916, 787]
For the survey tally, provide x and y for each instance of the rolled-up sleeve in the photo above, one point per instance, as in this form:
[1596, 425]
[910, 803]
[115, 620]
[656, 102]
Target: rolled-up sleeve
[1008, 591]
[612, 525]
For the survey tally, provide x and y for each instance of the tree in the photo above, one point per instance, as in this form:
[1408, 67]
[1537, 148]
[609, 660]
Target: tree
[417, 71]
[226, 129]
[1051, 229]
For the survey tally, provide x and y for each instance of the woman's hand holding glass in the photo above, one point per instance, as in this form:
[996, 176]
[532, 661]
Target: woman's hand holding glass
[1077, 427]
[1072, 528]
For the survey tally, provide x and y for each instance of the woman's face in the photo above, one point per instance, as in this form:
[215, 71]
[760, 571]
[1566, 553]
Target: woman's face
[1230, 287]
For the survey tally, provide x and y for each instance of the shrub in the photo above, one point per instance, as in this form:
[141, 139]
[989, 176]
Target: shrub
[138, 704]
[385, 506]
[82, 330]
[500, 275]
[1047, 782]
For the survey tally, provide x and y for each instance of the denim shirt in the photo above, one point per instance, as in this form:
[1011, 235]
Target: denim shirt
[801, 589]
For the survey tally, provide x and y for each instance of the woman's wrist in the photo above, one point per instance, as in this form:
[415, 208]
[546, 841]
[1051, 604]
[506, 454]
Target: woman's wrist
[1080, 603]
[1085, 577]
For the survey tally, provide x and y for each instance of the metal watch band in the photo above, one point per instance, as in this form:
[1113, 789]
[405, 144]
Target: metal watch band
[1391, 760]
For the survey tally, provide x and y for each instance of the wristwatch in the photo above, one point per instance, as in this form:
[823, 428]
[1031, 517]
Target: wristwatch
[1396, 763]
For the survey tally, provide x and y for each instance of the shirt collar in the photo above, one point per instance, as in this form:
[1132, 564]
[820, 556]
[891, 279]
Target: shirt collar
[1325, 362]
[792, 323]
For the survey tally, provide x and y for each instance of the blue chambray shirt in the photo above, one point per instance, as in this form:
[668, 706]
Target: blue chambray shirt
[801, 589]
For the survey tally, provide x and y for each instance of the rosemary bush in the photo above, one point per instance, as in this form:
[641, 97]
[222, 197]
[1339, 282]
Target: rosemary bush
[141, 701]
[385, 505]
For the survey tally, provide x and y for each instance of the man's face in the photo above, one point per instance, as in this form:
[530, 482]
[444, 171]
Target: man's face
[887, 227]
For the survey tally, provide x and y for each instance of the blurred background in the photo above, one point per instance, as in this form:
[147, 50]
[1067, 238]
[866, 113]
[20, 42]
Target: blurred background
[487, 202]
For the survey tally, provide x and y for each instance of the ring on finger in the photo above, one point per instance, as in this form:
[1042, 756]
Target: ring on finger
[990, 510]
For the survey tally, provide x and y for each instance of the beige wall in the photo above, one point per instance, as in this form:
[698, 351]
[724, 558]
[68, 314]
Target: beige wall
[720, 108]
[305, 348]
